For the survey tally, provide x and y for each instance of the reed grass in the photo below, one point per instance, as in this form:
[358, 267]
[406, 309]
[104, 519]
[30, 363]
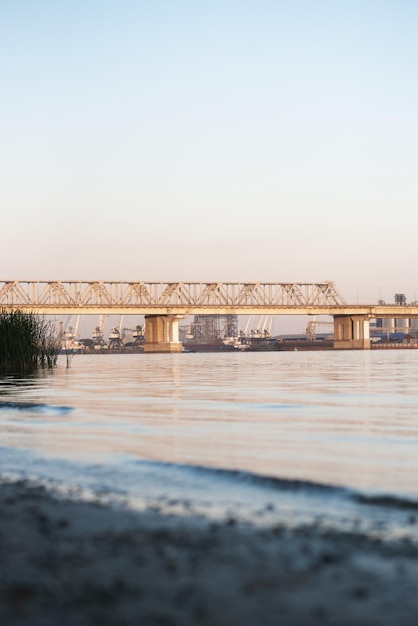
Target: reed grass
[27, 342]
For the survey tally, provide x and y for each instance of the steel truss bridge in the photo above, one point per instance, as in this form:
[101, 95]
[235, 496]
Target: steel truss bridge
[165, 302]
[187, 298]
[162, 298]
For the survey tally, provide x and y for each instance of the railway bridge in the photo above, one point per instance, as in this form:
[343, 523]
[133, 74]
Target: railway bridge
[165, 303]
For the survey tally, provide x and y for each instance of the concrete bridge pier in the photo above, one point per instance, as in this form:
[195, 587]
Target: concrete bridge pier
[351, 332]
[162, 333]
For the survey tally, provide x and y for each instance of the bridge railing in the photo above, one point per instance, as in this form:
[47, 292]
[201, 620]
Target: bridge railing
[151, 294]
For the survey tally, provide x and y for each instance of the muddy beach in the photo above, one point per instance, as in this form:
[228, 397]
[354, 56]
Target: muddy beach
[82, 563]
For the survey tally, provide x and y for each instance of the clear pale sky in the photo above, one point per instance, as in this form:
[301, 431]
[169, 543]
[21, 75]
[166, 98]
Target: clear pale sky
[223, 140]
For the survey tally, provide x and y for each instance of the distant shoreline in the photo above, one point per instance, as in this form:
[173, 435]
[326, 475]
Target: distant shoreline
[286, 346]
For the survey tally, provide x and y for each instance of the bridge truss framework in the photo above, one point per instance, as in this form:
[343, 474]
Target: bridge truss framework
[164, 303]
[162, 297]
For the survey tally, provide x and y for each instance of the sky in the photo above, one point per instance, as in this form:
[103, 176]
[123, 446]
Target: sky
[176, 140]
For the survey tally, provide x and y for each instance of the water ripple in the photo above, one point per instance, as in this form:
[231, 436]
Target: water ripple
[34, 407]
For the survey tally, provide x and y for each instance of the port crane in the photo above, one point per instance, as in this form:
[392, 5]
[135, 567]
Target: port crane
[262, 329]
[311, 327]
[70, 333]
[138, 335]
[116, 336]
[98, 333]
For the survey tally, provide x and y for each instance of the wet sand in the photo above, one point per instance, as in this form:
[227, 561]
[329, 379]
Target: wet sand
[65, 562]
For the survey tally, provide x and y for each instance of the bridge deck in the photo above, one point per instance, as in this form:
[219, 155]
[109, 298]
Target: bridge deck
[187, 298]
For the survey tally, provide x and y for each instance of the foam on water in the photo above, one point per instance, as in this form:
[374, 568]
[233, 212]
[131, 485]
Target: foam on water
[217, 494]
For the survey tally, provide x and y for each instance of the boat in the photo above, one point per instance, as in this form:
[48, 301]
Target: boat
[72, 347]
[70, 344]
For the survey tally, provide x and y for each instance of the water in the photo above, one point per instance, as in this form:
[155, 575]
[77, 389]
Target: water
[295, 436]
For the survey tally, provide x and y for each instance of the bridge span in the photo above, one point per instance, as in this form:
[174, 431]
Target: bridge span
[164, 303]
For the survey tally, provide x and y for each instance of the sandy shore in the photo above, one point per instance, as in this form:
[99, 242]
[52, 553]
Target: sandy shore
[74, 563]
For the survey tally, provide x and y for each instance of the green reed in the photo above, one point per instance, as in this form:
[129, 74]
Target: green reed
[27, 342]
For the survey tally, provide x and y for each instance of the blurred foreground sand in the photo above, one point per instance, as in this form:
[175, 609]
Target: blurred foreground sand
[64, 562]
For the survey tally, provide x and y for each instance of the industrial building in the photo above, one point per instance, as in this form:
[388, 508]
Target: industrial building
[394, 328]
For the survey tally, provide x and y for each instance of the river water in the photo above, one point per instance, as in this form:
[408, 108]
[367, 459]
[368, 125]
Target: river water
[300, 435]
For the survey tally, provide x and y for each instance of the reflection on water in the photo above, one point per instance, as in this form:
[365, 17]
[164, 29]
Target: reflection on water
[343, 418]
[9, 383]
